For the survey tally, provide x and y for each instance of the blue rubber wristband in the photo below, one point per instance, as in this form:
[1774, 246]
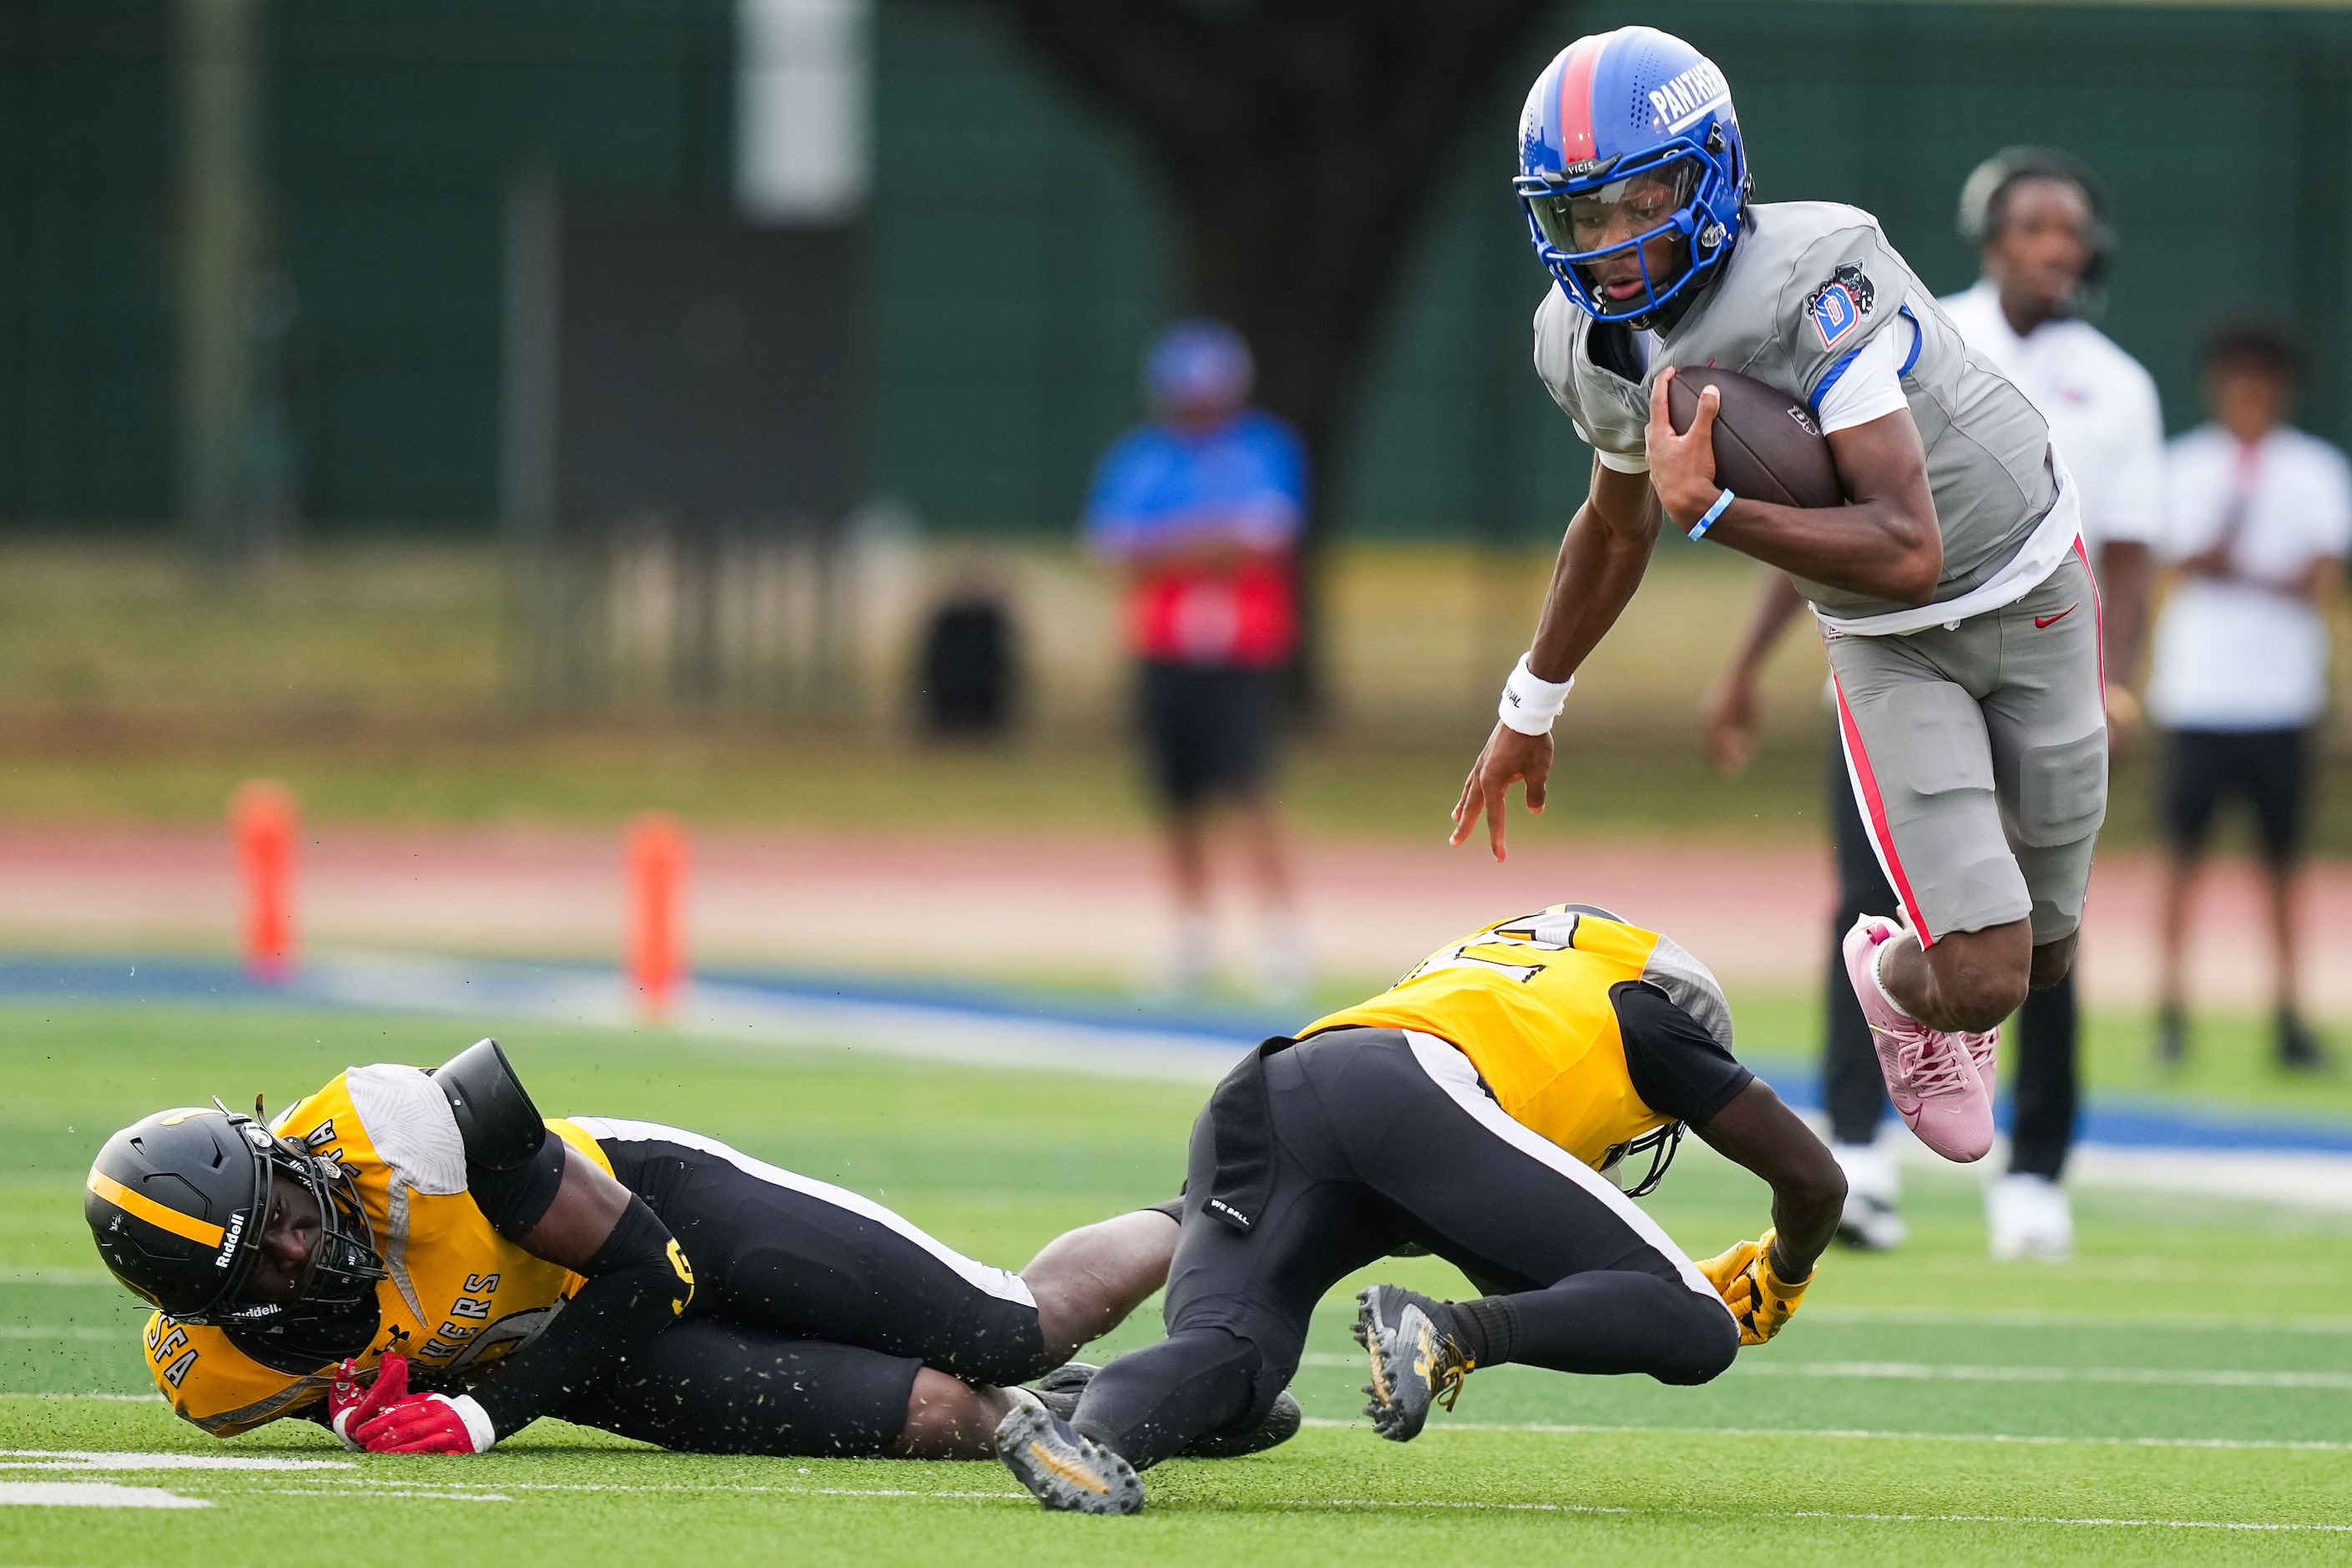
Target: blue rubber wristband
[1698, 530]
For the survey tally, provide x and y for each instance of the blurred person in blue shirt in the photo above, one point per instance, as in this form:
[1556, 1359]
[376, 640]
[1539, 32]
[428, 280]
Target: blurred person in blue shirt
[1200, 510]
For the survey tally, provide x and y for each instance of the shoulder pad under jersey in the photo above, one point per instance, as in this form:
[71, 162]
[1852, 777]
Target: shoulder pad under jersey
[494, 1116]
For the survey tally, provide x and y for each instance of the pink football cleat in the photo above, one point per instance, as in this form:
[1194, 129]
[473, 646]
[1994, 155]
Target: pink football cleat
[1931, 1074]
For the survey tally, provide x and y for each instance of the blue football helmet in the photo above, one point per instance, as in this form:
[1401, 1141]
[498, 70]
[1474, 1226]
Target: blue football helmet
[1627, 137]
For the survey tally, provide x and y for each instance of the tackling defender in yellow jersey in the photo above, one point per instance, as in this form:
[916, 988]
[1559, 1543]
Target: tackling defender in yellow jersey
[1479, 1109]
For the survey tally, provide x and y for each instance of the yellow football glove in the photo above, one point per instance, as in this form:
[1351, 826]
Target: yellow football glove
[1759, 1299]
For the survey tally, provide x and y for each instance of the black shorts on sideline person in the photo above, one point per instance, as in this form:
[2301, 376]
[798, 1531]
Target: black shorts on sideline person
[1209, 730]
[2272, 768]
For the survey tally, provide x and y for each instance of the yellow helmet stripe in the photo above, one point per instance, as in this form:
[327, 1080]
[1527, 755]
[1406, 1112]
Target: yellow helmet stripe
[153, 1213]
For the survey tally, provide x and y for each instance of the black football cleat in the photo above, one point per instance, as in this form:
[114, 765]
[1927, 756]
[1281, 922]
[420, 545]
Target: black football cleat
[1279, 1426]
[1416, 1359]
[1064, 1469]
[1061, 1388]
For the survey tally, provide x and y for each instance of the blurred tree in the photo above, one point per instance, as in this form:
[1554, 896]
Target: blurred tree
[1299, 143]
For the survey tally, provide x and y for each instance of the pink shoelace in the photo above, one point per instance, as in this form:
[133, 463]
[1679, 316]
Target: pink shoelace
[1931, 1065]
[1980, 1051]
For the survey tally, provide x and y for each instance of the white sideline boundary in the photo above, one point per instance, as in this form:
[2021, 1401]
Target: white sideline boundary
[719, 1010]
[942, 1031]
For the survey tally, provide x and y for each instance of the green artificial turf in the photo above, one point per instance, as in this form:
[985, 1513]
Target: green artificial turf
[2182, 1391]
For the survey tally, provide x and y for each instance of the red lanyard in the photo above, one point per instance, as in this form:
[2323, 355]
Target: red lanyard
[2243, 483]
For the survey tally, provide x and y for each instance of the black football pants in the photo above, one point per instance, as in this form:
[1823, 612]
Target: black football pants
[1379, 1141]
[813, 1310]
[1853, 1089]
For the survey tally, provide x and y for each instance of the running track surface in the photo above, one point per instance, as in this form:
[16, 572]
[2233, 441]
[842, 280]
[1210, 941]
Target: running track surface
[1032, 907]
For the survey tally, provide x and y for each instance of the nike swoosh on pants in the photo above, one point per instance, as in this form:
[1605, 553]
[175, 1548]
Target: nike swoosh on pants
[2042, 621]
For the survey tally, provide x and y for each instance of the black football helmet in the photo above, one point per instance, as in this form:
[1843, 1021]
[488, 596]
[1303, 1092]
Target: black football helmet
[177, 1204]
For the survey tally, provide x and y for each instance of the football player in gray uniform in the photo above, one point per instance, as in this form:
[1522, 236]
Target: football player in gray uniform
[1959, 613]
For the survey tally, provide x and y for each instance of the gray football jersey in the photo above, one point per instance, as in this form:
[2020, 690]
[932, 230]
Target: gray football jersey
[1806, 286]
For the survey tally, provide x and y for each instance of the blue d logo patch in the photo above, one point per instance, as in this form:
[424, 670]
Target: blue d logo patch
[1834, 313]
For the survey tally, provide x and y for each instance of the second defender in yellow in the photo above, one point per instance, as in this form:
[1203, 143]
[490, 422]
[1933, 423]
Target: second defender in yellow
[1499, 1106]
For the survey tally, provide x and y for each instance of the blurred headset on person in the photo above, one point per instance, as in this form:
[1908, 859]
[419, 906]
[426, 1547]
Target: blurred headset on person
[1984, 198]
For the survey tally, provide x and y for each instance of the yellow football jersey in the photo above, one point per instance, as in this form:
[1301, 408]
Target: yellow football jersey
[458, 1293]
[1526, 1000]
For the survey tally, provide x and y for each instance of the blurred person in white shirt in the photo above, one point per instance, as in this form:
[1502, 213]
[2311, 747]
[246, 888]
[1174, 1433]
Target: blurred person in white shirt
[2259, 515]
[2036, 217]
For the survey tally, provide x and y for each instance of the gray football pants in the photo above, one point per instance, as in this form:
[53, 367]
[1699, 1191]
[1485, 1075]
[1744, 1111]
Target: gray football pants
[1979, 758]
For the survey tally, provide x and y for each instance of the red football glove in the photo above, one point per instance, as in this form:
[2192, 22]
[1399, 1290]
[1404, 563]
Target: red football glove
[427, 1423]
[350, 1405]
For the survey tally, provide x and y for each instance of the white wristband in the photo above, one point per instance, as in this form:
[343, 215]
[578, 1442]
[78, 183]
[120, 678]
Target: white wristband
[477, 1419]
[1529, 704]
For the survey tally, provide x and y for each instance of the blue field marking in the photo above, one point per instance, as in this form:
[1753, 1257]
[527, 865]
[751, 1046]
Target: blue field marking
[983, 1023]
[75, 977]
[110, 979]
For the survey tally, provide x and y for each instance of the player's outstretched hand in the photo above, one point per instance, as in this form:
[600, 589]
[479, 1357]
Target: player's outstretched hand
[1681, 468]
[1510, 757]
[350, 1405]
[1761, 1301]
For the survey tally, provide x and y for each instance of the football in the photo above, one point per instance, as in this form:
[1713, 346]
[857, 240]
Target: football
[1766, 446]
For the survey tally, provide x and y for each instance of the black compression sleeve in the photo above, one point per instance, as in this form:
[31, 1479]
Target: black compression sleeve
[1677, 1067]
[638, 1283]
[514, 1201]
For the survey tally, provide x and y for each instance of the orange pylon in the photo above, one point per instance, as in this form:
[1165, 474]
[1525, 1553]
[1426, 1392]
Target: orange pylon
[656, 866]
[262, 819]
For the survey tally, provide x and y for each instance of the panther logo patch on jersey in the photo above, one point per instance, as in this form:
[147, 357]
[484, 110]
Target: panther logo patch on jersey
[1838, 306]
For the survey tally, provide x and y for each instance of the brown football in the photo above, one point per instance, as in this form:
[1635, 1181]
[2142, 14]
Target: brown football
[1767, 445]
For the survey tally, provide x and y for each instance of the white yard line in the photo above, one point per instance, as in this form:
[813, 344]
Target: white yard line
[91, 1494]
[1929, 1371]
[1816, 1513]
[2037, 1318]
[1933, 1372]
[2038, 1440]
[364, 1493]
[103, 1459]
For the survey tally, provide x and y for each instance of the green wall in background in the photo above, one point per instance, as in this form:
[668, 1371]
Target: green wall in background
[85, 335]
[1018, 262]
[393, 130]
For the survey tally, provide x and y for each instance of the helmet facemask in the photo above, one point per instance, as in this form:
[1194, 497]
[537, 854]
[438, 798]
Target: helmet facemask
[1659, 1143]
[1588, 228]
[342, 1268]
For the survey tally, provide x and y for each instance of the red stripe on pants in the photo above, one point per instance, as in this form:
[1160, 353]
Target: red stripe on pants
[1873, 816]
